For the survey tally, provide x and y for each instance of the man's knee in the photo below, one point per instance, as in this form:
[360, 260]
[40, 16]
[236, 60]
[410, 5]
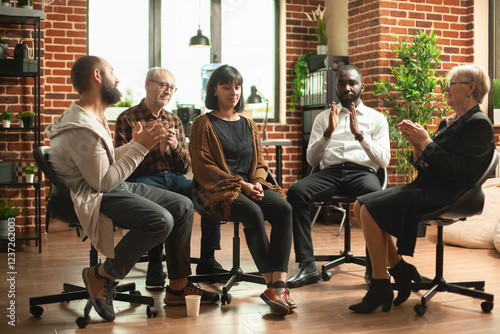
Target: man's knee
[295, 193]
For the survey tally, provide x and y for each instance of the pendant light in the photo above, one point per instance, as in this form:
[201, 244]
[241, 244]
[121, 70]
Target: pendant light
[199, 40]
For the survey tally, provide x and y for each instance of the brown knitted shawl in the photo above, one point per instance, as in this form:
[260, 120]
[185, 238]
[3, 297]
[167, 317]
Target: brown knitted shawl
[218, 187]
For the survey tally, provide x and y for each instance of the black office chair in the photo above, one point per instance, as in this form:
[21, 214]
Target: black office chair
[236, 274]
[469, 204]
[62, 209]
[342, 203]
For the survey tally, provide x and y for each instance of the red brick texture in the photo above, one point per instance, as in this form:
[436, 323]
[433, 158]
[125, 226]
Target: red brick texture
[372, 24]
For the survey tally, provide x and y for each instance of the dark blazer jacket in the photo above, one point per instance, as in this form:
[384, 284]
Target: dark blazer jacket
[457, 157]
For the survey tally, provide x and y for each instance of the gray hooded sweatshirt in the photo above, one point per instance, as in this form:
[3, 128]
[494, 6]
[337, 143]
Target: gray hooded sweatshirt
[83, 156]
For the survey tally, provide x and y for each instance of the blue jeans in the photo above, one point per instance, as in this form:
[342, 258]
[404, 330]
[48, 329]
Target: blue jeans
[210, 230]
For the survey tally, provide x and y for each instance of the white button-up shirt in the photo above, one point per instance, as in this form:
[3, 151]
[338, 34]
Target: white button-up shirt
[373, 151]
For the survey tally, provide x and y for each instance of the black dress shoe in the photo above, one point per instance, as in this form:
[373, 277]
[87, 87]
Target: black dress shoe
[303, 277]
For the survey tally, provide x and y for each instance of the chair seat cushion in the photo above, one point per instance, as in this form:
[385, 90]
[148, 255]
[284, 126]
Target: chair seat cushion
[478, 231]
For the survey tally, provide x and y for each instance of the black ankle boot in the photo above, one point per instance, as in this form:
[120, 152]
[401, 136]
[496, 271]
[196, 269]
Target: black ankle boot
[380, 293]
[403, 274]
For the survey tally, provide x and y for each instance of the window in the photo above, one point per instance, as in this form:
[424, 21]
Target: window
[247, 41]
[126, 51]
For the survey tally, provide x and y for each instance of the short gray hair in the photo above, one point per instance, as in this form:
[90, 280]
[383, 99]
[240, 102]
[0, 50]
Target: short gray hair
[473, 73]
[152, 73]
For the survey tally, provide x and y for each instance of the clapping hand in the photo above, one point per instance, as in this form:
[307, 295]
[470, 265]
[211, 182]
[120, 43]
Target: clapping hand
[149, 136]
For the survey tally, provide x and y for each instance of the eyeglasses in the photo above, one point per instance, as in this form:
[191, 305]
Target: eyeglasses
[451, 83]
[166, 86]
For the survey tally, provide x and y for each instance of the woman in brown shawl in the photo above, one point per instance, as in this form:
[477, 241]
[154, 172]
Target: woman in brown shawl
[228, 165]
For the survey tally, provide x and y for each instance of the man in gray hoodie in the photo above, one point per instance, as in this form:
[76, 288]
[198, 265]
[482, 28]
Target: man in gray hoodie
[83, 157]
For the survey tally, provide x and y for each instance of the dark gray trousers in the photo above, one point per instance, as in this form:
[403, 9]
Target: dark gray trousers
[152, 215]
[321, 185]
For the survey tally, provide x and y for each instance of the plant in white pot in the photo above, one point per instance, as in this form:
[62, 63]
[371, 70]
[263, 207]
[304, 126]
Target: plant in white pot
[6, 118]
[29, 170]
[318, 20]
[4, 48]
[8, 212]
[6, 3]
[496, 101]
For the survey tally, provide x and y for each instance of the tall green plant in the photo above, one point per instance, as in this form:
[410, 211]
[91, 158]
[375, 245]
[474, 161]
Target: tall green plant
[412, 96]
[496, 93]
[301, 71]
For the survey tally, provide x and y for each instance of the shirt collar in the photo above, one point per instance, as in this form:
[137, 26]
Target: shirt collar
[148, 113]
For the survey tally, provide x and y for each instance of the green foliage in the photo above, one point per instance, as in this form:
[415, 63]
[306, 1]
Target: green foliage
[496, 93]
[412, 96]
[301, 71]
[7, 115]
[29, 169]
[9, 209]
[127, 100]
[3, 41]
[26, 114]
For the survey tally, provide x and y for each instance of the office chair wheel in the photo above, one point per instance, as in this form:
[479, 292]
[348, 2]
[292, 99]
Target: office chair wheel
[82, 322]
[326, 276]
[225, 299]
[37, 311]
[152, 311]
[135, 293]
[487, 307]
[420, 309]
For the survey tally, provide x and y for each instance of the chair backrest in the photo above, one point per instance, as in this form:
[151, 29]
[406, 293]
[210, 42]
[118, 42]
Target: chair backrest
[471, 203]
[59, 195]
[202, 209]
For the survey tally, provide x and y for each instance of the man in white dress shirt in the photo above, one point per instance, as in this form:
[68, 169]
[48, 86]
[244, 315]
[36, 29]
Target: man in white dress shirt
[349, 142]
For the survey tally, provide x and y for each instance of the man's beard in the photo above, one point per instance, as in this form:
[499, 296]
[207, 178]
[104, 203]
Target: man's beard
[110, 95]
[346, 103]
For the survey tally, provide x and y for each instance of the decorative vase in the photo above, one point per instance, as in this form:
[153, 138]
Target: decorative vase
[27, 122]
[6, 123]
[322, 49]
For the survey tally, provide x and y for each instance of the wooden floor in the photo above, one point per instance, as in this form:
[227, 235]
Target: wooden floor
[322, 308]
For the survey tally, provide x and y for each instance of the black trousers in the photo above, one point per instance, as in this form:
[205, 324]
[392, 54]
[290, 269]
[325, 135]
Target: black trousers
[330, 181]
[271, 254]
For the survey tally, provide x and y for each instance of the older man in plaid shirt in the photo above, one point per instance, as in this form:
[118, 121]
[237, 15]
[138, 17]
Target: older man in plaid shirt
[165, 165]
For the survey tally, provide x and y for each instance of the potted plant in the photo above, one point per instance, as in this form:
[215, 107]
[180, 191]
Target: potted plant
[6, 3]
[301, 71]
[27, 118]
[4, 47]
[26, 3]
[318, 20]
[496, 101]
[6, 118]
[413, 94]
[8, 211]
[29, 170]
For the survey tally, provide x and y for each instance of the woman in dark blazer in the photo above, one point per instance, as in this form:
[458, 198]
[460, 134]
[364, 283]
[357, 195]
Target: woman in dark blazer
[448, 163]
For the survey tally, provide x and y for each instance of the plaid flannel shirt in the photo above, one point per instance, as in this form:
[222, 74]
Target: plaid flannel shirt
[173, 161]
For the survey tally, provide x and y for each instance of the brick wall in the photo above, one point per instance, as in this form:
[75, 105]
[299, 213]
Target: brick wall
[63, 40]
[371, 25]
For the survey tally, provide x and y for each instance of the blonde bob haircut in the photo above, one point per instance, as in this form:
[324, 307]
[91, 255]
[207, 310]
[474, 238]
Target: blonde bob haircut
[473, 73]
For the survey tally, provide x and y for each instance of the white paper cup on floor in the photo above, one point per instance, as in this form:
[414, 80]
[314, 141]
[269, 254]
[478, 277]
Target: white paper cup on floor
[193, 305]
